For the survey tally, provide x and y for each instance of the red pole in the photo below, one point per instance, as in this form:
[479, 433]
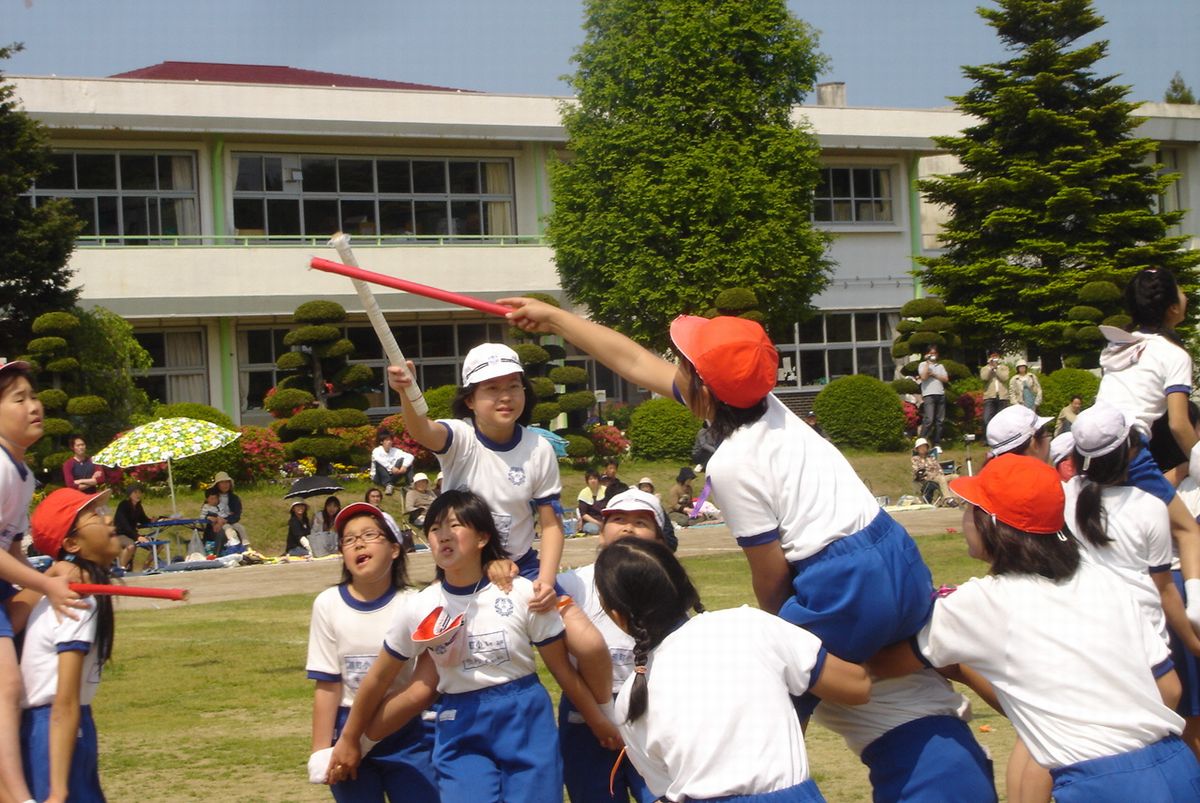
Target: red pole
[329, 266]
[130, 591]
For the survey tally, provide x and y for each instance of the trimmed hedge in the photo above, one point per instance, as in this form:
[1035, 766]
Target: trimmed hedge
[314, 333]
[439, 400]
[1084, 313]
[1094, 293]
[87, 405]
[923, 308]
[545, 412]
[62, 365]
[936, 323]
[861, 412]
[318, 447]
[56, 427]
[319, 311]
[542, 386]
[348, 400]
[46, 345]
[905, 386]
[331, 351]
[1120, 320]
[736, 300]
[354, 375]
[55, 323]
[292, 361]
[579, 446]
[569, 375]
[531, 354]
[288, 399]
[574, 402]
[1060, 386]
[53, 398]
[662, 429]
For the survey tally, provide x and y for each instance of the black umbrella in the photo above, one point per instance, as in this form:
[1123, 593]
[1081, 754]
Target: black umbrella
[311, 486]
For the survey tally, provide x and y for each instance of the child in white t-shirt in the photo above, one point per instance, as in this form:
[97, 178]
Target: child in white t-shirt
[1085, 680]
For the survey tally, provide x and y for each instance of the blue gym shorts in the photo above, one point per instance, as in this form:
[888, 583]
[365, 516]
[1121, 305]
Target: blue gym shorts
[929, 760]
[399, 766]
[1145, 474]
[1165, 770]
[83, 781]
[805, 792]
[587, 766]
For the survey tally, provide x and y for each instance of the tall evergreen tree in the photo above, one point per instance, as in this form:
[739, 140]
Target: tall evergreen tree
[1055, 193]
[35, 244]
[688, 174]
[1178, 91]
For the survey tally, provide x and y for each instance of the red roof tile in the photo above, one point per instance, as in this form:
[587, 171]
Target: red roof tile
[265, 74]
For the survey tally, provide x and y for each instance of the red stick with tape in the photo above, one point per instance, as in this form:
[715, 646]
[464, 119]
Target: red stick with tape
[329, 266]
[130, 591]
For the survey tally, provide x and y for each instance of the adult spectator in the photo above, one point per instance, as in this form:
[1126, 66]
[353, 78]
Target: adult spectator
[589, 503]
[680, 499]
[703, 447]
[995, 377]
[928, 477]
[609, 479]
[229, 507]
[128, 517]
[418, 499]
[933, 378]
[79, 472]
[1066, 416]
[646, 485]
[810, 418]
[389, 463]
[1024, 388]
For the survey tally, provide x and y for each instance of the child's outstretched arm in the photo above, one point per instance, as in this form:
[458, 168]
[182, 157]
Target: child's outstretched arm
[346, 753]
[64, 722]
[423, 430]
[326, 697]
[612, 348]
[56, 588]
[554, 655]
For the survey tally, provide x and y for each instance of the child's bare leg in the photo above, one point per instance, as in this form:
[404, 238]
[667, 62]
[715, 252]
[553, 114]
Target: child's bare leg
[1191, 734]
[587, 647]
[1028, 781]
[12, 774]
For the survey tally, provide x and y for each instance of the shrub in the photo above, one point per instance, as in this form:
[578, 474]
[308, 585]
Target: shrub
[910, 368]
[53, 398]
[1094, 293]
[861, 412]
[920, 341]
[970, 405]
[52, 465]
[335, 350]
[531, 354]
[353, 375]
[322, 448]
[608, 440]
[1120, 320]
[319, 311]
[87, 405]
[348, 400]
[262, 454]
[316, 333]
[1089, 335]
[360, 437]
[55, 323]
[936, 323]
[295, 382]
[574, 402]
[284, 402]
[905, 386]
[315, 419]
[569, 375]
[544, 412]
[555, 351]
[1084, 313]
[956, 370]
[1060, 386]
[543, 386]
[736, 300]
[439, 400]
[292, 361]
[62, 365]
[579, 446]
[923, 308]
[755, 315]
[617, 412]
[906, 327]
[46, 345]
[902, 349]
[662, 429]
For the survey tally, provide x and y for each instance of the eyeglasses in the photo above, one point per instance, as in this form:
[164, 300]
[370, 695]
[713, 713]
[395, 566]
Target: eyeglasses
[100, 511]
[369, 537]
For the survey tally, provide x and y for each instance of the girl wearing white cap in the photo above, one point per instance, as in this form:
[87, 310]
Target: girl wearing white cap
[486, 448]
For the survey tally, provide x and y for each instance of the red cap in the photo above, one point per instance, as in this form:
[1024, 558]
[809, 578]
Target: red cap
[733, 356]
[355, 509]
[54, 518]
[1021, 491]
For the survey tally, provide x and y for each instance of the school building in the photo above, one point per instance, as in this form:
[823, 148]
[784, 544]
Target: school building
[206, 188]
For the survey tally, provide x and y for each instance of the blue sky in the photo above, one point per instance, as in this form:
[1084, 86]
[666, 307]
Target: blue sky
[904, 53]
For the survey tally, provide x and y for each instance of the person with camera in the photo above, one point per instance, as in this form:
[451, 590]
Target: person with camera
[928, 477]
[934, 378]
[994, 374]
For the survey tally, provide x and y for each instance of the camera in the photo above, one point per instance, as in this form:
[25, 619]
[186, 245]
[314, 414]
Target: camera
[969, 438]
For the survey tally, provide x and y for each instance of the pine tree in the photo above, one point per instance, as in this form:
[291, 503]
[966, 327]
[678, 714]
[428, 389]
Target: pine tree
[1178, 91]
[35, 243]
[687, 174]
[1055, 193]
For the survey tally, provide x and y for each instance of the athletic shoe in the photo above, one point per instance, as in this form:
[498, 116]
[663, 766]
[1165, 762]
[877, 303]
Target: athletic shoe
[388, 490]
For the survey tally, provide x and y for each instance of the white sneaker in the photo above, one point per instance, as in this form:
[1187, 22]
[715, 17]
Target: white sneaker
[388, 490]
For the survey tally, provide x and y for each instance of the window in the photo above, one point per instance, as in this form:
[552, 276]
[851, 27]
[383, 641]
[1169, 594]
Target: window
[396, 198]
[835, 344]
[178, 372]
[133, 197]
[853, 195]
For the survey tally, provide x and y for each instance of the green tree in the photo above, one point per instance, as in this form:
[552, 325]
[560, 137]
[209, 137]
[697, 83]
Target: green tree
[1178, 91]
[687, 172]
[1055, 192]
[36, 242]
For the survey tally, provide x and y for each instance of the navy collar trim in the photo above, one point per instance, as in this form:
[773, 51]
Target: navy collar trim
[365, 606]
[506, 446]
[465, 591]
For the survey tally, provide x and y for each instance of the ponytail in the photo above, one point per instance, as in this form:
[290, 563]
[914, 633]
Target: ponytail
[645, 583]
[1148, 296]
[1091, 520]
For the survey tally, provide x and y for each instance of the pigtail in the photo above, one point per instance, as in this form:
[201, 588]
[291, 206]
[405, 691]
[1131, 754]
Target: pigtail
[1091, 520]
[105, 623]
[640, 692]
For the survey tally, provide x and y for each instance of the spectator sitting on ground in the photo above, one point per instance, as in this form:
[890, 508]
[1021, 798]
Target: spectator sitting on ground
[928, 477]
[79, 472]
[389, 463]
[680, 498]
[590, 504]
[214, 531]
[810, 418]
[1066, 416]
[418, 499]
[299, 528]
[229, 507]
[646, 485]
[323, 519]
[610, 486]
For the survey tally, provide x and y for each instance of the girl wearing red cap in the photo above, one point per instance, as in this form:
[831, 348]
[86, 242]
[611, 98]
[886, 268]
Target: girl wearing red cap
[62, 658]
[1086, 681]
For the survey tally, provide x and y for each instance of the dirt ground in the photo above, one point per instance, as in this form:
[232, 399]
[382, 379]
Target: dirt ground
[309, 577]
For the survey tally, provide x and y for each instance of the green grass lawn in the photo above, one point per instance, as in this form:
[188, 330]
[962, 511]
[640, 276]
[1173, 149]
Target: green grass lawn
[210, 702]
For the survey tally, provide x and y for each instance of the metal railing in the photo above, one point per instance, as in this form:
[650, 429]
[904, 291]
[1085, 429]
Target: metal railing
[301, 241]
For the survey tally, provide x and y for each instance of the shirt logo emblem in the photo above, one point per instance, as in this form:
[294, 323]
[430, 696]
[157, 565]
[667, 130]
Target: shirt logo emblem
[504, 606]
[516, 475]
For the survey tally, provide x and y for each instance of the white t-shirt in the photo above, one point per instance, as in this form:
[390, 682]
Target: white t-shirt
[1140, 528]
[1189, 492]
[1071, 662]
[580, 585]
[16, 492]
[719, 720]
[512, 477]
[45, 638]
[777, 479]
[500, 633]
[894, 702]
[390, 458]
[345, 636]
[1139, 374]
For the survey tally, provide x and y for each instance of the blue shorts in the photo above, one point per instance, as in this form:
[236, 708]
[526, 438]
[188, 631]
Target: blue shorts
[528, 566]
[1145, 474]
[805, 792]
[862, 592]
[83, 781]
[1187, 665]
[929, 760]
[399, 766]
[1165, 770]
[498, 743]
[6, 628]
[587, 767]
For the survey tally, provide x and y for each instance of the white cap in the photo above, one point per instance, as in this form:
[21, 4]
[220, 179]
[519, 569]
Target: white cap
[1061, 448]
[633, 499]
[919, 443]
[1099, 430]
[1012, 426]
[645, 481]
[1022, 362]
[488, 361]
[420, 475]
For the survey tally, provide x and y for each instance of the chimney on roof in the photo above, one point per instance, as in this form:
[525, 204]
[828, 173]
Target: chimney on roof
[832, 93]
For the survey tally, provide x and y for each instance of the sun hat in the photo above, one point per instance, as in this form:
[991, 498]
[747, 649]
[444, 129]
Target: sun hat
[919, 443]
[221, 476]
[1061, 448]
[55, 516]
[645, 481]
[1023, 492]
[1021, 363]
[488, 361]
[420, 475]
[356, 509]
[733, 356]
[1012, 426]
[632, 500]
[1099, 430]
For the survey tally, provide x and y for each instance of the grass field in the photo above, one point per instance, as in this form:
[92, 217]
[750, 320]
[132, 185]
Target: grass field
[210, 701]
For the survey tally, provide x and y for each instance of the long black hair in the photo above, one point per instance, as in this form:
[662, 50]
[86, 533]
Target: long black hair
[1148, 296]
[643, 582]
[1012, 551]
[99, 574]
[460, 409]
[726, 418]
[1110, 469]
[399, 565]
[470, 509]
[1163, 446]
